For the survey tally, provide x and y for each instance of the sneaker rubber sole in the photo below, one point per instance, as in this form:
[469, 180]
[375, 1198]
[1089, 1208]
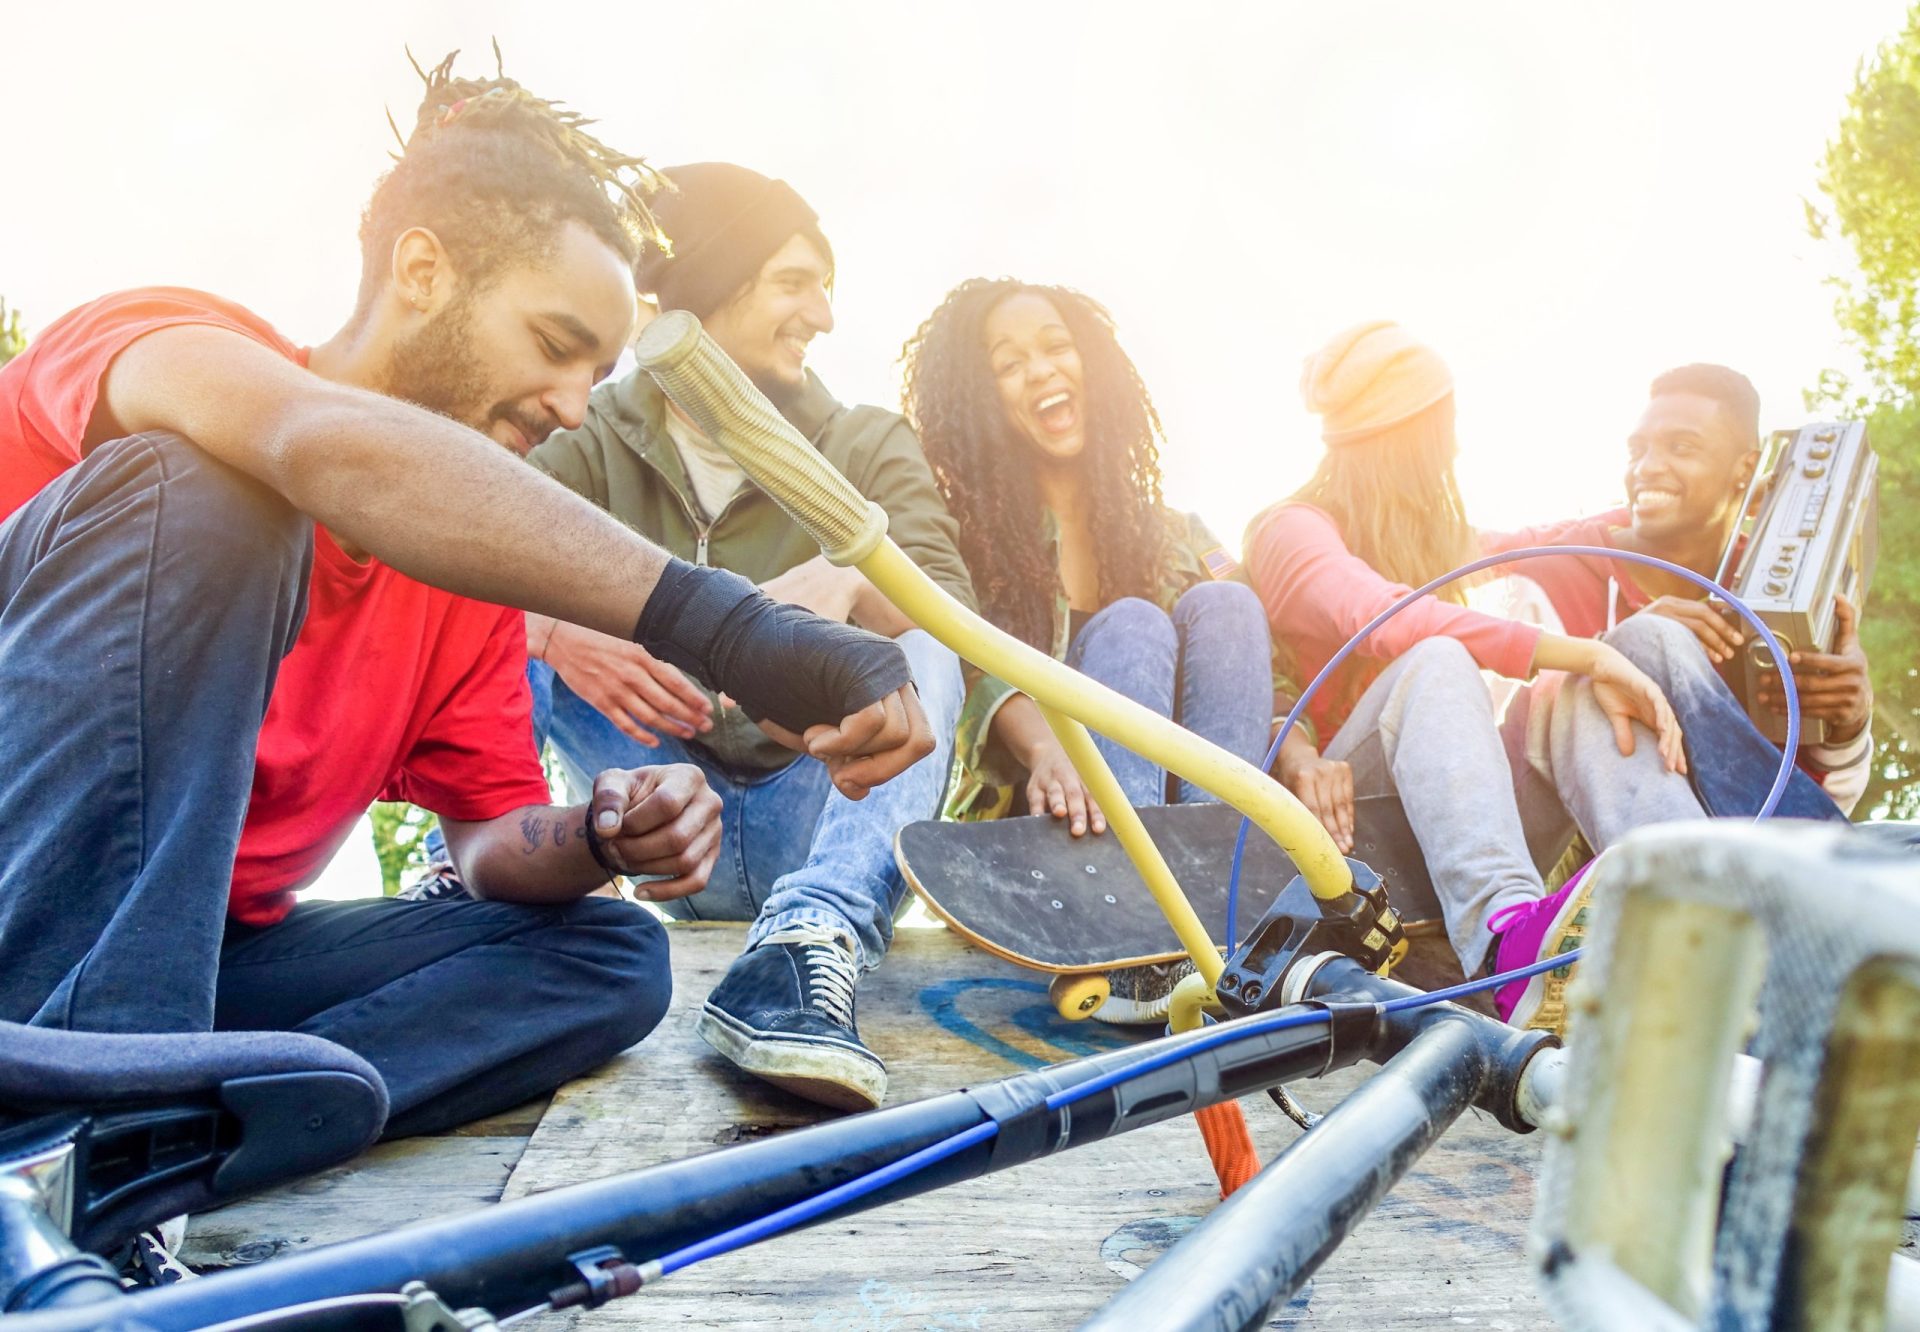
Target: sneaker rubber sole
[1543, 1004]
[838, 1074]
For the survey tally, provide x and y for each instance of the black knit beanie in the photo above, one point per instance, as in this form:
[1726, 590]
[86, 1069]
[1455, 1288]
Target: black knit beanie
[724, 222]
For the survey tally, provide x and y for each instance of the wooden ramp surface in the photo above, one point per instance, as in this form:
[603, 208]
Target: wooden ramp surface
[1040, 1246]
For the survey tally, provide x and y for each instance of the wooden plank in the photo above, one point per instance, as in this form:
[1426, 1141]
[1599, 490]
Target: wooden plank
[394, 1184]
[1039, 1246]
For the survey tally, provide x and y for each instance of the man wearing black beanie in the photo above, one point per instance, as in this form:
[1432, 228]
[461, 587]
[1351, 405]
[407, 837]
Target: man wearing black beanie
[812, 869]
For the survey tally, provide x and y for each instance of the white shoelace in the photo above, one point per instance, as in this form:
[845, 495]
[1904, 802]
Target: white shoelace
[831, 973]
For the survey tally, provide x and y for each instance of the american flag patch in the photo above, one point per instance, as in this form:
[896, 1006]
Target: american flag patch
[1219, 563]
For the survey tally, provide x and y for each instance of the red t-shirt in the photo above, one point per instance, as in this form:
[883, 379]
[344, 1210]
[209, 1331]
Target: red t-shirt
[394, 690]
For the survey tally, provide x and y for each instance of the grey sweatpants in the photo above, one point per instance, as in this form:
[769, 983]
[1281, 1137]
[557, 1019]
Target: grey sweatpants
[1492, 805]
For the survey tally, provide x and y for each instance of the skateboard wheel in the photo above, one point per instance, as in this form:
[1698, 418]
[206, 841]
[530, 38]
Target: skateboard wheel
[1075, 997]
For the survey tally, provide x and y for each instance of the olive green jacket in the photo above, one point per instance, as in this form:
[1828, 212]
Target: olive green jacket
[622, 459]
[985, 777]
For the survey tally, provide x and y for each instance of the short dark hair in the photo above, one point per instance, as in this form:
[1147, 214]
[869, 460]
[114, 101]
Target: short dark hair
[495, 172]
[1732, 390]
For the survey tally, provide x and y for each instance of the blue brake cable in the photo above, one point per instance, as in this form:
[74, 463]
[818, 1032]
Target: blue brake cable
[1226, 1033]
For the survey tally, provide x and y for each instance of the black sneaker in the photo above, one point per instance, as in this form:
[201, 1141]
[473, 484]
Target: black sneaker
[440, 882]
[784, 1012]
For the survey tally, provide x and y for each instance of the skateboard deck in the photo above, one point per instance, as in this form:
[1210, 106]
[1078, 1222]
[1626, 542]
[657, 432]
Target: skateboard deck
[1027, 891]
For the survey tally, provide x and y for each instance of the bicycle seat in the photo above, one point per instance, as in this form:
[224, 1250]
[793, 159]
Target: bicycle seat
[117, 1132]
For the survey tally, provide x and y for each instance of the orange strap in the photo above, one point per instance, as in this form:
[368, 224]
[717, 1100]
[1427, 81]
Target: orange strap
[1229, 1144]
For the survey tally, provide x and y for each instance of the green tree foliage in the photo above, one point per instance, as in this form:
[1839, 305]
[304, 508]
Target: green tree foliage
[399, 841]
[13, 338]
[1870, 177]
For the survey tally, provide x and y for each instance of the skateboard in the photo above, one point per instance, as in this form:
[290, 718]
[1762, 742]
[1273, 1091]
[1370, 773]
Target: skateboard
[1027, 891]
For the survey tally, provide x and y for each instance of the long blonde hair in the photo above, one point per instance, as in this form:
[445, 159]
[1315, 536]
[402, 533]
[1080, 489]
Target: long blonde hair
[1395, 500]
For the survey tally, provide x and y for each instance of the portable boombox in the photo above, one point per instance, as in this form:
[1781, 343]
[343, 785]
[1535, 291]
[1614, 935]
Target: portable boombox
[1808, 534]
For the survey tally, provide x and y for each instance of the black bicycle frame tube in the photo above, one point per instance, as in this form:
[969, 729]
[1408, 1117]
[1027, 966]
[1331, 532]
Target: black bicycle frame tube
[1260, 1246]
[509, 1257]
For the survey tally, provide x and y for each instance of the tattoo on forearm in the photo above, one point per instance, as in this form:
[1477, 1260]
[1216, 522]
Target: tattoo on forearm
[540, 828]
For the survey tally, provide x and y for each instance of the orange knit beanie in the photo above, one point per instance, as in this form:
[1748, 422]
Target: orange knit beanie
[1369, 377]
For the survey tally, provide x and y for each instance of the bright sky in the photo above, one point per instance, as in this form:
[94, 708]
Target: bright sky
[1563, 198]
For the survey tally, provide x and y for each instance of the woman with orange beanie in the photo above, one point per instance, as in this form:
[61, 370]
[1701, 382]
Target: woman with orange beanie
[1408, 713]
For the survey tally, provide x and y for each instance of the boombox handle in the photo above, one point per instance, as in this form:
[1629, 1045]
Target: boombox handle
[1763, 476]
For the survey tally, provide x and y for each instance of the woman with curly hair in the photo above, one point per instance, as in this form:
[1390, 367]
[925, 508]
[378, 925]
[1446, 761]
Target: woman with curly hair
[1045, 444]
[1409, 713]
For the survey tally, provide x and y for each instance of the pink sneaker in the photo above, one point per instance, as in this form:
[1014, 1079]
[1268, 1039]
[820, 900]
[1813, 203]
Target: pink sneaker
[1530, 932]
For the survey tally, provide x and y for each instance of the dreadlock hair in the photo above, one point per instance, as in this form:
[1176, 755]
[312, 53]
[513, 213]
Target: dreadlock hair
[1395, 499]
[984, 467]
[495, 172]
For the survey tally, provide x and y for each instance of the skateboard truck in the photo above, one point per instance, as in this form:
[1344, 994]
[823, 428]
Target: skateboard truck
[1360, 925]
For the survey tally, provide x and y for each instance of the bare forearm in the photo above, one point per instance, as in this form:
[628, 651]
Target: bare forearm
[1557, 652]
[434, 499]
[539, 633]
[445, 505]
[538, 854]
[1295, 750]
[1020, 729]
[874, 611]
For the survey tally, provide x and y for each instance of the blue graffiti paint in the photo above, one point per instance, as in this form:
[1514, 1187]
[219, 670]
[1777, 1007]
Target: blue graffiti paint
[1079, 1039]
[941, 1001]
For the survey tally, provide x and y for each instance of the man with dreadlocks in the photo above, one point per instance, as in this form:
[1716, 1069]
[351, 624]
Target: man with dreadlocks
[814, 872]
[246, 588]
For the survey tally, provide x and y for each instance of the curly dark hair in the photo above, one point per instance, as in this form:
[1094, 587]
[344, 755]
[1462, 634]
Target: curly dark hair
[495, 172]
[984, 468]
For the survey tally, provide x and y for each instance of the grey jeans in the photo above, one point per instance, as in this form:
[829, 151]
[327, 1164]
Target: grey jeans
[1492, 805]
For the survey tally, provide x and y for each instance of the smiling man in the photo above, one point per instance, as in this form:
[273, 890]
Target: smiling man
[247, 587]
[811, 869]
[1689, 460]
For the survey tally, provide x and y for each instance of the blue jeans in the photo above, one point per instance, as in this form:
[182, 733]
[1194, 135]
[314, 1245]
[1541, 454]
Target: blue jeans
[793, 850]
[1731, 763]
[146, 599]
[1208, 666]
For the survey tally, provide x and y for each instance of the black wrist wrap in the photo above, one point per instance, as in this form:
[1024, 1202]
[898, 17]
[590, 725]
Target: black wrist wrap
[777, 661]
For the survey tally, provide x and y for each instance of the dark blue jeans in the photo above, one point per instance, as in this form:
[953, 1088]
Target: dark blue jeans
[1208, 666]
[146, 599]
[1731, 763]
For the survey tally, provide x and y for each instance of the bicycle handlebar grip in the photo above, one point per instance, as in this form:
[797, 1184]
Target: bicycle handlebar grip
[692, 370]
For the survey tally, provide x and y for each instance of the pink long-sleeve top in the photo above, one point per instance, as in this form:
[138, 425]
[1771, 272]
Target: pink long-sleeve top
[1318, 594]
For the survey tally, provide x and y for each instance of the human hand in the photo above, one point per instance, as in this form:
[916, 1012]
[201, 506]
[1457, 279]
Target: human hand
[1626, 694]
[628, 685]
[1834, 686]
[662, 820]
[1054, 787]
[826, 589]
[1718, 633]
[867, 747]
[1325, 787]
